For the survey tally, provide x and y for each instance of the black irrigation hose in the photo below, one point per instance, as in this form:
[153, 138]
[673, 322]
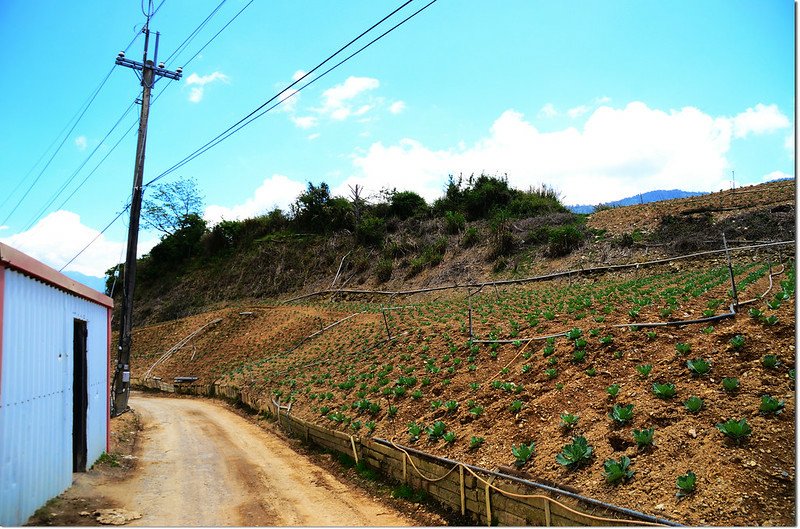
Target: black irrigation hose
[732, 312]
[538, 278]
[591, 501]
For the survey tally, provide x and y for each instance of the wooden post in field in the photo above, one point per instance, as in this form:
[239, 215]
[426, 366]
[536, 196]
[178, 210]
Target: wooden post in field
[469, 298]
[730, 269]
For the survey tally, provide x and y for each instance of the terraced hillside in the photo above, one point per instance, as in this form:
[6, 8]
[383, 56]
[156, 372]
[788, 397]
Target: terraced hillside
[475, 372]
[419, 378]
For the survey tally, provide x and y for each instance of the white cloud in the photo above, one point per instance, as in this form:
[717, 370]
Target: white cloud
[548, 111]
[288, 99]
[296, 76]
[198, 83]
[196, 94]
[602, 100]
[397, 107]
[305, 122]
[203, 80]
[363, 109]
[275, 191]
[313, 136]
[617, 152]
[789, 143]
[80, 143]
[59, 236]
[337, 100]
[760, 120]
[578, 111]
[3, 228]
[775, 175]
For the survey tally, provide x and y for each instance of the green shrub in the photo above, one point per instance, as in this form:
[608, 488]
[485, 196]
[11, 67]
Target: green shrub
[470, 237]
[616, 471]
[575, 454]
[736, 430]
[563, 240]
[693, 404]
[370, 231]
[454, 222]
[686, 484]
[383, 270]
[643, 438]
[406, 204]
[522, 453]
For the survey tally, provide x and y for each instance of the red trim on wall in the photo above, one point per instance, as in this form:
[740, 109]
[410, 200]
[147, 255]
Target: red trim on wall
[108, 381]
[2, 310]
[26, 264]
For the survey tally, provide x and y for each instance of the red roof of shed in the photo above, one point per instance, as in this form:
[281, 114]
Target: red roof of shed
[16, 260]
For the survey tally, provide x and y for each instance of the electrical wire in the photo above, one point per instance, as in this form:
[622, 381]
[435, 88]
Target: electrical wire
[96, 237]
[63, 141]
[72, 177]
[254, 114]
[61, 206]
[244, 121]
[216, 35]
[194, 33]
[75, 173]
[80, 112]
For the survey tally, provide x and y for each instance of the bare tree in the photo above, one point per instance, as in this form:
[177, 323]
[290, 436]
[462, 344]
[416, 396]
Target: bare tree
[357, 200]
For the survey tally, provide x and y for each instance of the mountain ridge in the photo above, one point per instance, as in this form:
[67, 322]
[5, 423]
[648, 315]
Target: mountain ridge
[642, 198]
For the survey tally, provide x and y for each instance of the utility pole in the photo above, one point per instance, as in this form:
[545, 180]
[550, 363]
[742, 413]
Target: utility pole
[120, 387]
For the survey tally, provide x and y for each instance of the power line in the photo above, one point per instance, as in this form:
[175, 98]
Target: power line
[246, 120]
[217, 34]
[80, 112]
[194, 33]
[96, 237]
[86, 108]
[320, 76]
[75, 173]
[81, 166]
[243, 122]
[60, 206]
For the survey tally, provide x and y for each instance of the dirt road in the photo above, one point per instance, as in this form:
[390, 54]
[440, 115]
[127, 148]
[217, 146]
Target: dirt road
[202, 465]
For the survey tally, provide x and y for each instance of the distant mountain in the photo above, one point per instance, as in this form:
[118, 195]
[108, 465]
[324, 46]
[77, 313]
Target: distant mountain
[644, 198]
[97, 283]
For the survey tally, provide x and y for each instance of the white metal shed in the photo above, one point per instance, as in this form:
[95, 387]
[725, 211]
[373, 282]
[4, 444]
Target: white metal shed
[55, 337]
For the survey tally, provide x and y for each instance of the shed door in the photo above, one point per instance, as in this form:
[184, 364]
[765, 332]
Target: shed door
[80, 396]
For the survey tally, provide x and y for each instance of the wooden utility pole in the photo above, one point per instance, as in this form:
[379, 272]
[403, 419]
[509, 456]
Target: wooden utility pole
[120, 387]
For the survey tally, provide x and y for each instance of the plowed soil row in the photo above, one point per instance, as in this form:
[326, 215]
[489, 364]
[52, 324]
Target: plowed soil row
[333, 377]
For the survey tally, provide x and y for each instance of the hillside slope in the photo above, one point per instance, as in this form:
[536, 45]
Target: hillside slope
[284, 265]
[349, 364]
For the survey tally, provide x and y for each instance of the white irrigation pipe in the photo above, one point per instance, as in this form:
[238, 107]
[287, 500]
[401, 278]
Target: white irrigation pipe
[178, 346]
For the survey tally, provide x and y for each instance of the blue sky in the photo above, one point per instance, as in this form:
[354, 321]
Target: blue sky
[600, 100]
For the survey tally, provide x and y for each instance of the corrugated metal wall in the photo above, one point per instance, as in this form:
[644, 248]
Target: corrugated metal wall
[36, 392]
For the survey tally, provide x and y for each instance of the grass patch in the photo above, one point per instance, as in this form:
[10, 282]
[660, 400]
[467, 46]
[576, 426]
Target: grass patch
[408, 493]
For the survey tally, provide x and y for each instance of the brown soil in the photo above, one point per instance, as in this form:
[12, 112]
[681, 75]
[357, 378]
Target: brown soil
[737, 485]
[263, 349]
[76, 506]
[199, 464]
[720, 206]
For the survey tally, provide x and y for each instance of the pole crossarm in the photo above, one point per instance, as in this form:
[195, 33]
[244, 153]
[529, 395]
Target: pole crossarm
[157, 70]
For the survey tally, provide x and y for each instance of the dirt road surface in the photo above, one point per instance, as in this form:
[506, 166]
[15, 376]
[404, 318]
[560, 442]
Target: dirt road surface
[202, 465]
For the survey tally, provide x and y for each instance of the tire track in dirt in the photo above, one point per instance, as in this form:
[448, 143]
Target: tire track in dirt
[201, 465]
